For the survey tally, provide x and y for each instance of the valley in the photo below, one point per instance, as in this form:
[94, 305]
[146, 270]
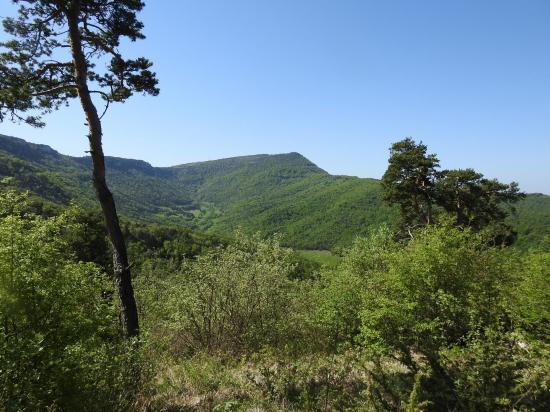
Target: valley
[283, 193]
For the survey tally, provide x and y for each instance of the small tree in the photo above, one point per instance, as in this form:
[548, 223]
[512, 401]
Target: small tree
[54, 56]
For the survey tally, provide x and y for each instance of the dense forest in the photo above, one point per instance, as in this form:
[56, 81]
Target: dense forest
[257, 283]
[285, 194]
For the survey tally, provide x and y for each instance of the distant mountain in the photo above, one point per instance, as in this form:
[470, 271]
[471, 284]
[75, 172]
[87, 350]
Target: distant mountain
[284, 193]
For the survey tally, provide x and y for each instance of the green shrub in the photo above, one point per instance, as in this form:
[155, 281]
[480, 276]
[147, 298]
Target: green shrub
[432, 292]
[235, 299]
[59, 344]
[429, 295]
[532, 303]
[341, 290]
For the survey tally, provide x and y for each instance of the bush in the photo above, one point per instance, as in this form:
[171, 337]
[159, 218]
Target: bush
[532, 303]
[429, 295]
[235, 299]
[341, 290]
[59, 344]
[432, 292]
[498, 371]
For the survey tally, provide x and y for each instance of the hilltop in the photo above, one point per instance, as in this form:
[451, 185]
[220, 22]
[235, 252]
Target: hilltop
[283, 193]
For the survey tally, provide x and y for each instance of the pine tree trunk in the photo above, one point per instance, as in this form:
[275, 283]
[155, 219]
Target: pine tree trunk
[129, 316]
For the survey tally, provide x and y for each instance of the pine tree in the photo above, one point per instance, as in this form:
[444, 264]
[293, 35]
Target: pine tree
[414, 182]
[473, 200]
[69, 49]
[410, 181]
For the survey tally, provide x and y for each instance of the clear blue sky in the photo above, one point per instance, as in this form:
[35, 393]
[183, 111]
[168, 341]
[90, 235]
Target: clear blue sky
[337, 81]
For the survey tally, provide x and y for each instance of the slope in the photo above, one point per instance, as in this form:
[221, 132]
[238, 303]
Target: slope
[283, 193]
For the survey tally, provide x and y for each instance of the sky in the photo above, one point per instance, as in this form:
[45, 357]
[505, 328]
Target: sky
[337, 81]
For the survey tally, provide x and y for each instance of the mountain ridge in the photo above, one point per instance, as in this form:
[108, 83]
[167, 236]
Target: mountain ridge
[5, 141]
[284, 193]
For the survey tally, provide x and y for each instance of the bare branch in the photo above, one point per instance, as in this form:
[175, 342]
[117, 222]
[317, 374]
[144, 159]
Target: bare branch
[107, 101]
[56, 89]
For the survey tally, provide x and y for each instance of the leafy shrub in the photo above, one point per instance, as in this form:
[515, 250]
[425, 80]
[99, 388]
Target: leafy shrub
[59, 345]
[498, 371]
[433, 292]
[532, 303]
[341, 290]
[236, 298]
[439, 305]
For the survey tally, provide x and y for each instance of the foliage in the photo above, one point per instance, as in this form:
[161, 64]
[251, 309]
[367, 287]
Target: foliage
[414, 404]
[341, 289]
[436, 290]
[414, 182]
[473, 200]
[167, 242]
[32, 80]
[486, 368]
[440, 306]
[443, 321]
[233, 299]
[89, 243]
[532, 302]
[410, 181]
[532, 222]
[284, 194]
[59, 345]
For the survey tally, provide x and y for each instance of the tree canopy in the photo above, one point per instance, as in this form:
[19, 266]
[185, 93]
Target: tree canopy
[37, 67]
[423, 192]
[410, 181]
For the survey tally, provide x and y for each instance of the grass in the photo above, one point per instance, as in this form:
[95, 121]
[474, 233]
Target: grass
[323, 257]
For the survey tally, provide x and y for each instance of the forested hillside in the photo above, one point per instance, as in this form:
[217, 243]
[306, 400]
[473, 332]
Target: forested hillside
[532, 221]
[283, 193]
